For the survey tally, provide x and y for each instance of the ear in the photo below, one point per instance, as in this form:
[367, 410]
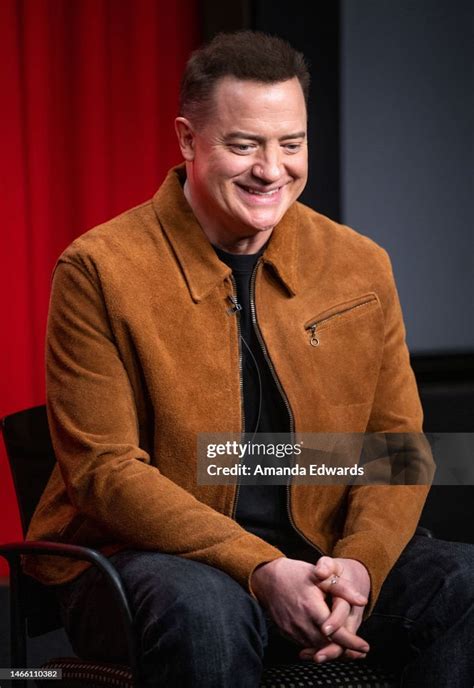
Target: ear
[186, 137]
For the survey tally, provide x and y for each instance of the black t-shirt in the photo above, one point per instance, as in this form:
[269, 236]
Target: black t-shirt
[261, 509]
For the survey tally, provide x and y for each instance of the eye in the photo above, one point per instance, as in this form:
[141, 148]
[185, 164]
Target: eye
[292, 147]
[242, 148]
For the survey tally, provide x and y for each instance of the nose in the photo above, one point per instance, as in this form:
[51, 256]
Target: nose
[268, 168]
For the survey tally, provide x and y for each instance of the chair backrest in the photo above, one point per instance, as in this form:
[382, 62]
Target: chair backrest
[31, 457]
[446, 386]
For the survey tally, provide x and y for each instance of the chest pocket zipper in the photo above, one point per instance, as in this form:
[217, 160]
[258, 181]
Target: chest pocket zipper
[313, 326]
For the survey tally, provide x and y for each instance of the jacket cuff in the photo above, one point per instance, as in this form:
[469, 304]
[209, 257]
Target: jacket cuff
[241, 556]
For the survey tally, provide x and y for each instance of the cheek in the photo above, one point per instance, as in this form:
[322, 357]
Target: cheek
[232, 168]
[300, 167]
[224, 166]
[300, 174]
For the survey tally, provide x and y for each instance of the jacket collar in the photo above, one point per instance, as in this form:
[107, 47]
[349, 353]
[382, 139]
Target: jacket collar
[201, 267]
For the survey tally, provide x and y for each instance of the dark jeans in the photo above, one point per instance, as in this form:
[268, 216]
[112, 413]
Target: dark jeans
[199, 628]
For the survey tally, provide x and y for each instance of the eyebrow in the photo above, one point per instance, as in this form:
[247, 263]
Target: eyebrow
[261, 139]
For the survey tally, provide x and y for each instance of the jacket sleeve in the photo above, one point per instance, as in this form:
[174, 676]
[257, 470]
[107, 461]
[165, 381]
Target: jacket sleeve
[381, 519]
[94, 425]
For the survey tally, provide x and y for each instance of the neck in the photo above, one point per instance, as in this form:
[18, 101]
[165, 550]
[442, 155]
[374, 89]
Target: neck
[226, 239]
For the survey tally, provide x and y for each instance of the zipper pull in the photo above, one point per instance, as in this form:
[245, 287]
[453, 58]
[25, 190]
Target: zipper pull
[236, 307]
[314, 341]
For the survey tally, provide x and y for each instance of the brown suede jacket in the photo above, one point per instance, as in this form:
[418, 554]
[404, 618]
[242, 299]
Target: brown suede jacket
[142, 355]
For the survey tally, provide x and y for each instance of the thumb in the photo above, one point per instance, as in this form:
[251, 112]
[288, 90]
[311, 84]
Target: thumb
[327, 566]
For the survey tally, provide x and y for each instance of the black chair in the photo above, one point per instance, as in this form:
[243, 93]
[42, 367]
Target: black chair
[35, 611]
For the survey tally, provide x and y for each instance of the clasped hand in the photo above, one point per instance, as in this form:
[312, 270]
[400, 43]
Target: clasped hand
[319, 606]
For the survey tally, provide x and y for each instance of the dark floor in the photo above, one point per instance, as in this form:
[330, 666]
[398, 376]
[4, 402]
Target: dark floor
[54, 644]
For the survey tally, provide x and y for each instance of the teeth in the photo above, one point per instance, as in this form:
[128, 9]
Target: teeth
[261, 193]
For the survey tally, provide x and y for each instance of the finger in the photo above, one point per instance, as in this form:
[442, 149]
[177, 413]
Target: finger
[327, 566]
[308, 630]
[327, 653]
[351, 655]
[337, 586]
[308, 634]
[349, 640]
[354, 619]
[317, 608]
[340, 613]
[330, 651]
[325, 649]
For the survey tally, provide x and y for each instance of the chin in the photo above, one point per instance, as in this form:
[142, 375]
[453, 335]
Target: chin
[257, 227]
[266, 224]
[260, 230]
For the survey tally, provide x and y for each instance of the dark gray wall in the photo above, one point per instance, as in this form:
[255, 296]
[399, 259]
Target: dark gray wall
[313, 29]
[406, 154]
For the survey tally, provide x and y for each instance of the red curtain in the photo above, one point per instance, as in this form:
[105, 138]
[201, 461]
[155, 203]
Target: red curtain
[88, 93]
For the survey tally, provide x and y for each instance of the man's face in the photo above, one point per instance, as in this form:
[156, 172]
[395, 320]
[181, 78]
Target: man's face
[249, 159]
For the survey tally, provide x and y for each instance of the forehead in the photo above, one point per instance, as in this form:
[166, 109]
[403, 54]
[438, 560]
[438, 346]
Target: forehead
[238, 103]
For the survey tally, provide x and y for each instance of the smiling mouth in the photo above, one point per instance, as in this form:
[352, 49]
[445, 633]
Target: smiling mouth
[258, 192]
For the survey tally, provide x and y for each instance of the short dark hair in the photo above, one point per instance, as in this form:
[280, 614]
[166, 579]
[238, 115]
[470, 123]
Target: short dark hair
[246, 55]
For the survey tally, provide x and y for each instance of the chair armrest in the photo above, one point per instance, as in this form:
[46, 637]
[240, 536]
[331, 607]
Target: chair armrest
[12, 551]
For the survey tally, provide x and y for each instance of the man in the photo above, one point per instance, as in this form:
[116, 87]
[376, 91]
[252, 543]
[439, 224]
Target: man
[223, 305]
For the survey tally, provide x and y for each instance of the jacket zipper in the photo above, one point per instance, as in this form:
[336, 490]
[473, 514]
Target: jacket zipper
[236, 308]
[312, 327]
[283, 396]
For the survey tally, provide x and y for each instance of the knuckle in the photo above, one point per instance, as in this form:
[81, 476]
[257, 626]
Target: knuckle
[325, 560]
